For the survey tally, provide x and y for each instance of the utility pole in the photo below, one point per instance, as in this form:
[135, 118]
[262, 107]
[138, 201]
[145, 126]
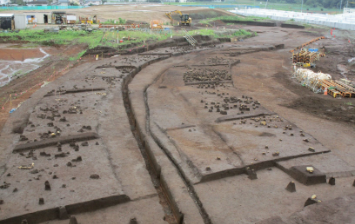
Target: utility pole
[341, 2]
[266, 3]
[302, 7]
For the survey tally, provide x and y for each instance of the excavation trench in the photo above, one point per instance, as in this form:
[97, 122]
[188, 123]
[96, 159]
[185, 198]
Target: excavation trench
[152, 166]
[181, 173]
[151, 163]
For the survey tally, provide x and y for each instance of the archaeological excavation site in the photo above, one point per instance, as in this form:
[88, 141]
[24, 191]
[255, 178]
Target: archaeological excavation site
[216, 118]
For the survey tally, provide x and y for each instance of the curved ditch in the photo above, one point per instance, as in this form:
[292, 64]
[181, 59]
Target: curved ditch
[181, 173]
[151, 163]
[152, 166]
[187, 182]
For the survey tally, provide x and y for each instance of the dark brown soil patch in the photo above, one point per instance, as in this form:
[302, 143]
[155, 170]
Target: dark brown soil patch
[312, 34]
[321, 106]
[334, 109]
[286, 25]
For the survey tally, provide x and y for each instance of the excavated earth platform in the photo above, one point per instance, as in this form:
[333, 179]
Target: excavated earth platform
[192, 136]
[75, 134]
[215, 135]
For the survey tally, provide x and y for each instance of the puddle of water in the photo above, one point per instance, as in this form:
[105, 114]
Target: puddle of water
[10, 68]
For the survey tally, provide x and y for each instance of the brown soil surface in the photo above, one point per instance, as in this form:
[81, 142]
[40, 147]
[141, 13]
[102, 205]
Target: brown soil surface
[31, 80]
[20, 54]
[176, 119]
[141, 12]
[160, 140]
[326, 107]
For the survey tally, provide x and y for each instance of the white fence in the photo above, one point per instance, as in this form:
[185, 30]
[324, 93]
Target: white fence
[341, 21]
[349, 10]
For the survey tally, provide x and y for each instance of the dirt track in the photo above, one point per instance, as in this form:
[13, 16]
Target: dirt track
[162, 152]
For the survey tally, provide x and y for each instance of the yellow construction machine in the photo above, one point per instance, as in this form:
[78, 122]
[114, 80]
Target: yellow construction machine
[88, 20]
[306, 65]
[185, 18]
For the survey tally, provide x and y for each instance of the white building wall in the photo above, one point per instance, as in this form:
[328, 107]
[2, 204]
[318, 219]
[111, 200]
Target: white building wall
[349, 10]
[20, 21]
[39, 17]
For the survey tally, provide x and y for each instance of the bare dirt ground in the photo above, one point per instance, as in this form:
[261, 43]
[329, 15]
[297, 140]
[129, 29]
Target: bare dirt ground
[140, 12]
[50, 69]
[207, 134]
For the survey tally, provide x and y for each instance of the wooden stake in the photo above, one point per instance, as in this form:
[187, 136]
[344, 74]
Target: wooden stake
[10, 102]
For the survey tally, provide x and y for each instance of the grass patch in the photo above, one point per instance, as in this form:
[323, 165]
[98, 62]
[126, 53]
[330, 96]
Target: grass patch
[221, 34]
[129, 37]
[78, 56]
[120, 21]
[93, 39]
[232, 18]
[51, 38]
[108, 39]
[307, 26]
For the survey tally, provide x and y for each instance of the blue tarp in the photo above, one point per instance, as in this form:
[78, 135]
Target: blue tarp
[313, 49]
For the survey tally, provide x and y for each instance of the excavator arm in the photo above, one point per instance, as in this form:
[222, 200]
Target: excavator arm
[185, 19]
[168, 14]
[176, 11]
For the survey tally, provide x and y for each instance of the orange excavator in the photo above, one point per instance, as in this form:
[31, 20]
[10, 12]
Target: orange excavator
[156, 25]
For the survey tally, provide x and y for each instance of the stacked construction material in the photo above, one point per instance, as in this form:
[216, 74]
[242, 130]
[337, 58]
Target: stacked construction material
[337, 88]
[311, 79]
[305, 56]
[307, 43]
